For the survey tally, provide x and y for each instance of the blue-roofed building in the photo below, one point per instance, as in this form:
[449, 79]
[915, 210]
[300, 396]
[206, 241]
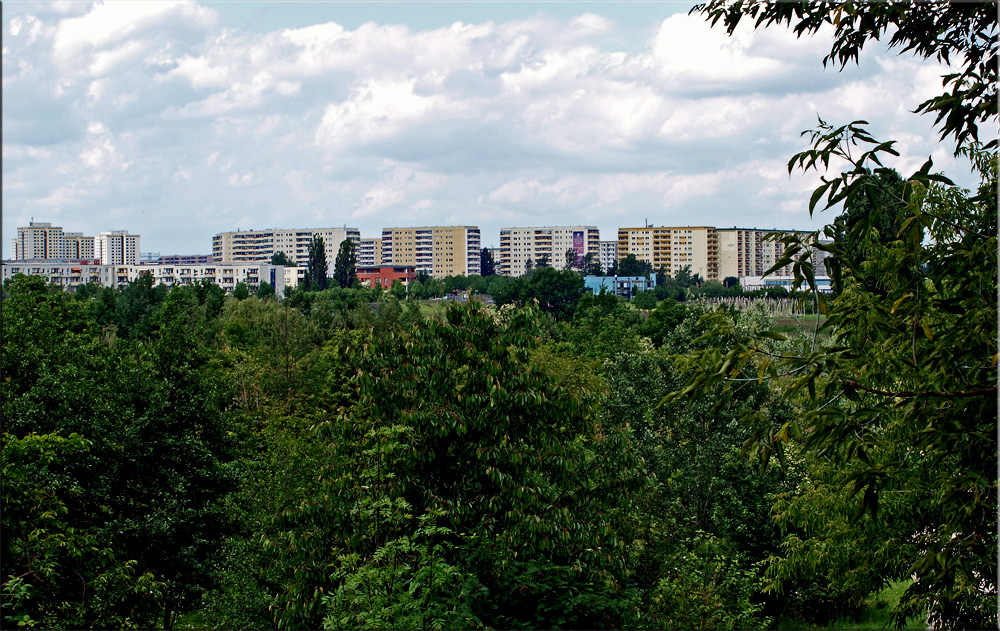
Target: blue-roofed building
[626, 286]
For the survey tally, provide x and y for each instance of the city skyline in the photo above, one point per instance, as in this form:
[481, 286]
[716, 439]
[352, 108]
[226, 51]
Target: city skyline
[182, 120]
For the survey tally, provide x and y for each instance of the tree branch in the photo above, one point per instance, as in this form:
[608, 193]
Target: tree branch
[908, 394]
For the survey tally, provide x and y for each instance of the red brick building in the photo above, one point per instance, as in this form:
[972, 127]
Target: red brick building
[386, 274]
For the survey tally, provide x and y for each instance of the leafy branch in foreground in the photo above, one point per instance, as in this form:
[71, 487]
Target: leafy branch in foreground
[899, 406]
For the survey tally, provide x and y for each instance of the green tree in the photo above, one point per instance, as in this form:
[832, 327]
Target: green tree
[903, 402]
[631, 266]
[591, 265]
[280, 258]
[241, 292]
[345, 271]
[534, 499]
[571, 259]
[487, 266]
[265, 290]
[316, 276]
[645, 300]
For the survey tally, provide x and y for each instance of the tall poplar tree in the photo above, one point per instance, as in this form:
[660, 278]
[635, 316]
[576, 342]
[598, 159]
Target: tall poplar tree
[345, 267]
[317, 264]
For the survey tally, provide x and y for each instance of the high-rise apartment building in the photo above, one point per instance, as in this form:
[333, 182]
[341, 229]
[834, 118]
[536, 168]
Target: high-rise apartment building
[78, 247]
[40, 240]
[369, 252]
[746, 252]
[117, 247]
[608, 254]
[437, 250]
[261, 245]
[518, 246]
[673, 248]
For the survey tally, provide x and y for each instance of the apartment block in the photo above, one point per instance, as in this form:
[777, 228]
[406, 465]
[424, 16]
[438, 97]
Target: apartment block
[117, 247]
[369, 252]
[174, 259]
[260, 245]
[71, 274]
[745, 252]
[673, 248]
[385, 275]
[436, 250]
[77, 246]
[518, 246]
[608, 254]
[40, 240]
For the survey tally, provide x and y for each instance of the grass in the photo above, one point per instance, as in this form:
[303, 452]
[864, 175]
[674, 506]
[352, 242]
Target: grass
[877, 614]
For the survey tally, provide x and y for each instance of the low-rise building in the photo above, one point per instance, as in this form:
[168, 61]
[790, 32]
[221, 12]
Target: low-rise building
[71, 274]
[385, 275]
[626, 286]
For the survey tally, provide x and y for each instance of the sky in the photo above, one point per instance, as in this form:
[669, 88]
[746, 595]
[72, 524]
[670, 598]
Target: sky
[180, 120]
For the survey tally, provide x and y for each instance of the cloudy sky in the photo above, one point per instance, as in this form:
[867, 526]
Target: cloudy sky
[178, 120]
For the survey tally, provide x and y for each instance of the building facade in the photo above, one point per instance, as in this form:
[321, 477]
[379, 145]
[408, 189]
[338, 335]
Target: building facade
[77, 247]
[608, 254]
[436, 250]
[385, 275]
[518, 246]
[672, 248]
[745, 252]
[260, 245]
[176, 259]
[39, 240]
[71, 274]
[369, 252]
[625, 286]
[117, 247]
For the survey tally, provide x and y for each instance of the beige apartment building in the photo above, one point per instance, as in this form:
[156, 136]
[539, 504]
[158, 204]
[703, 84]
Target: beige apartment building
[518, 246]
[369, 252]
[78, 247]
[673, 248]
[117, 247]
[745, 252]
[39, 240]
[436, 250]
[261, 245]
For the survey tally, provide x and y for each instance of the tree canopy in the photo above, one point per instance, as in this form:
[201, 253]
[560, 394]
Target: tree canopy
[345, 271]
[316, 275]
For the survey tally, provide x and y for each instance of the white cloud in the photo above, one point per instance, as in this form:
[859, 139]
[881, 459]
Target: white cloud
[112, 21]
[395, 188]
[376, 110]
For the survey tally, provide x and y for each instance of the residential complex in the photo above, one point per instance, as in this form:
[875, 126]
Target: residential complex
[522, 248]
[117, 247]
[436, 250]
[113, 257]
[71, 274]
[40, 240]
[261, 245]
[673, 247]
[43, 241]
